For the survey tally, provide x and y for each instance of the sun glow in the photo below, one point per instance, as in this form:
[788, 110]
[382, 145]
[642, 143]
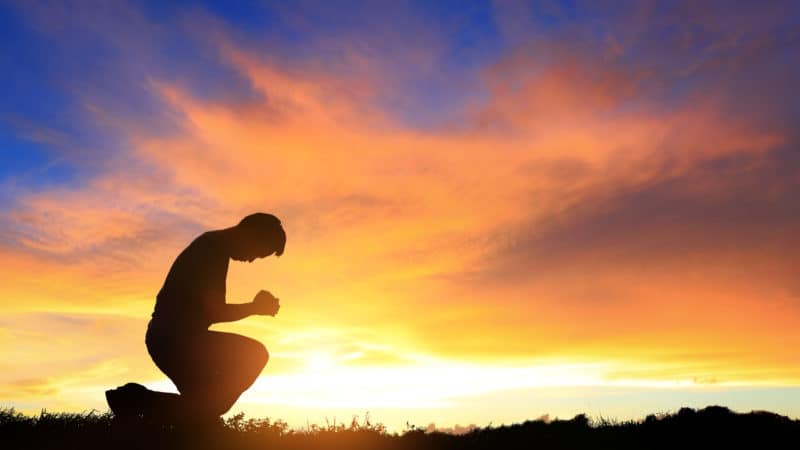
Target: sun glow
[430, 383]
[320, 361]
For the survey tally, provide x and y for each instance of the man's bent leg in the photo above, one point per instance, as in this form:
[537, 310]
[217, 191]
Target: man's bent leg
[221, 367]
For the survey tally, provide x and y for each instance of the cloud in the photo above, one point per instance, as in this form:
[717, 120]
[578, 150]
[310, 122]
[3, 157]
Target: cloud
[54, 354]
[679, 266]
[29, 387]
[740, 201]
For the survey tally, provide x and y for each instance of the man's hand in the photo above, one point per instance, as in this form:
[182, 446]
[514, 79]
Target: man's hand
[266, 304]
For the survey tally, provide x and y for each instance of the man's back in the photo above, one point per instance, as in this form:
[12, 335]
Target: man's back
[195, 282]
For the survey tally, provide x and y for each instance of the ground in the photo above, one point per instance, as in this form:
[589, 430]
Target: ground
[713, 427]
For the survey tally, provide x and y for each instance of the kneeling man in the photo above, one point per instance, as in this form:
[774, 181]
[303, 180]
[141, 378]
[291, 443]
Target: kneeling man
[211, 369]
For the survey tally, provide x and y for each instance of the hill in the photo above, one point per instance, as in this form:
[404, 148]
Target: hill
[714, 427]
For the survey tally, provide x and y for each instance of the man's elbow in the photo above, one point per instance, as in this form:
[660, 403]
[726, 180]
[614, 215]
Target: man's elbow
[214, 314]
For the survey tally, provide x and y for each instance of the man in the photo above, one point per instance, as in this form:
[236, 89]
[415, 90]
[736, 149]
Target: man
[211, 369]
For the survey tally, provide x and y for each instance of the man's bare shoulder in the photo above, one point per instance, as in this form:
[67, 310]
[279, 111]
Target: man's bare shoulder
[209, 242]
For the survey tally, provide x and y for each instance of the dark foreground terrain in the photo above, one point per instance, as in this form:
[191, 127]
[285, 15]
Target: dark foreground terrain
[713, 427]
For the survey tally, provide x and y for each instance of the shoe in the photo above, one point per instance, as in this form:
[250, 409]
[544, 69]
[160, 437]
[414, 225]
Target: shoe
[128, 401]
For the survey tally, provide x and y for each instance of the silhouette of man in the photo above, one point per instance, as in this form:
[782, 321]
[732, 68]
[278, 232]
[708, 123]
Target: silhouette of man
[211, 369]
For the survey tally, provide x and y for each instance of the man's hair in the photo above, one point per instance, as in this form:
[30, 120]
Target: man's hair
[262, 225]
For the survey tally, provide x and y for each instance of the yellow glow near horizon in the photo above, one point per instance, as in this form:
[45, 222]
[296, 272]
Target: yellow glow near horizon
[325, 390]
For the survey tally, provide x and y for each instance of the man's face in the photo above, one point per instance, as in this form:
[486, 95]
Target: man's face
[253, 256]
[248, 249]
[251, 252]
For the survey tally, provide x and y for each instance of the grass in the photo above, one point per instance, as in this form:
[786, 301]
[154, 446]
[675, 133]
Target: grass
[713, 427]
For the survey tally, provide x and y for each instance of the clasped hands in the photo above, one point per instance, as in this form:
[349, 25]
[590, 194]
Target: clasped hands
[266, 304]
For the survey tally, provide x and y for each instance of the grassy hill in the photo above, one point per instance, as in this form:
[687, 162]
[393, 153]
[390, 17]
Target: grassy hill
[713, 427]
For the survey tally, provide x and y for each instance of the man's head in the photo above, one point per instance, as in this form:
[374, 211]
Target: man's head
[256, 236]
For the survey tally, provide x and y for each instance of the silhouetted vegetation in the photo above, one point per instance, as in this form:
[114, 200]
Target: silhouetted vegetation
[714, 427]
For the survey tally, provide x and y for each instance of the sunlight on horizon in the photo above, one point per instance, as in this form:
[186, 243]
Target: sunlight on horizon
[435, 390]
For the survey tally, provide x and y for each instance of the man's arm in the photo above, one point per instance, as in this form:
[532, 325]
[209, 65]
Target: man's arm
[264, 304]
[229, 312]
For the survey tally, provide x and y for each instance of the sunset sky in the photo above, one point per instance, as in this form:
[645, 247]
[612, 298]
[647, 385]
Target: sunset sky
[495, 210]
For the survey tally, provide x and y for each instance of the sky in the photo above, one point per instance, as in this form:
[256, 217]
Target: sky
[495, 211]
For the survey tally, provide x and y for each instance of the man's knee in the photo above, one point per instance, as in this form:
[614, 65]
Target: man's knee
[259, 356]
[212, 403]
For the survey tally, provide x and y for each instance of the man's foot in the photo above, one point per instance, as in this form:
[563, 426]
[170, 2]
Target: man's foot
[129, 401]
